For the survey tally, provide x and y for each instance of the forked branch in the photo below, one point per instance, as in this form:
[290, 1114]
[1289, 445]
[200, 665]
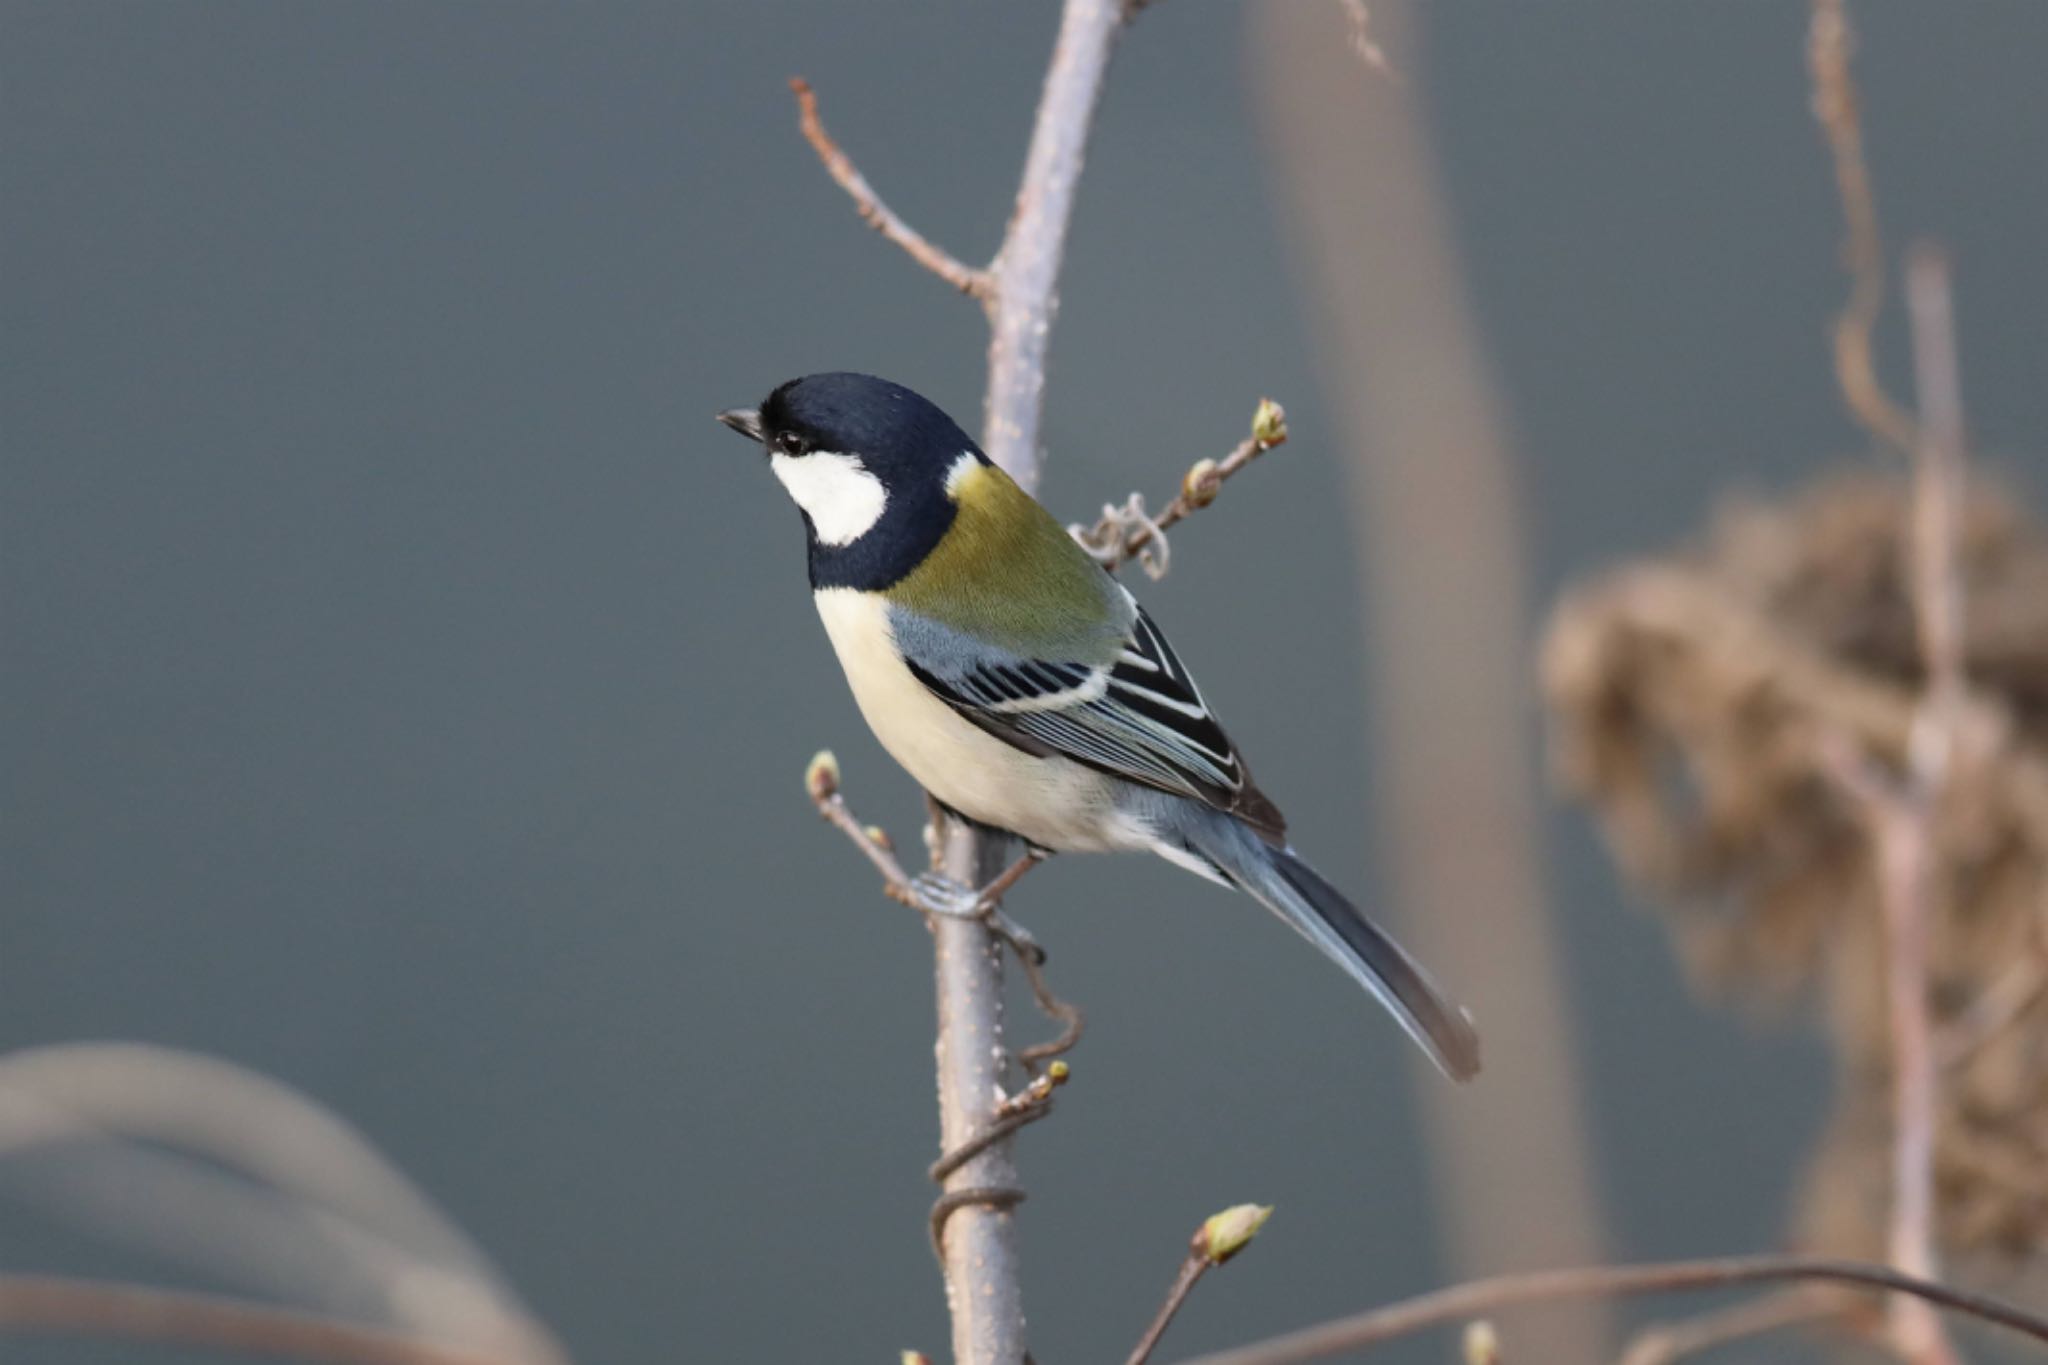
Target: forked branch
[1127, 532]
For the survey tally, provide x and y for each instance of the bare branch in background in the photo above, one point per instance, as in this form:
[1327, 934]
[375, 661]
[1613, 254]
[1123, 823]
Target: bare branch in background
[876, 214]
[1937, 502]
[1830, 43]
[1435, 508]
[1901, 816]
[217, 1167]
[1378, 1325]
[51, 1305]
[1793, 1307]
[1127, 532]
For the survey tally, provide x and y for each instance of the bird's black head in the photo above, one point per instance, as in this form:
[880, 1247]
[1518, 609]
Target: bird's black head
[868, 463]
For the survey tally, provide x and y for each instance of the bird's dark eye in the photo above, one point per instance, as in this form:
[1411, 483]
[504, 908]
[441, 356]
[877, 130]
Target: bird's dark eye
[789, 443]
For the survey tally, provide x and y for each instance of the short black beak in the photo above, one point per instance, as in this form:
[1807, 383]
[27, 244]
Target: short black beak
[746, 421]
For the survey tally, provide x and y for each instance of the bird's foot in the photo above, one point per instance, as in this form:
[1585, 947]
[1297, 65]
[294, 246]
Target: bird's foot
[935, 893]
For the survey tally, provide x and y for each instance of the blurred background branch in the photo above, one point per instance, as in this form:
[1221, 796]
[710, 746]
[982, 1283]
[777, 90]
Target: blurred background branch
[1462, 1301]
[1434, 504]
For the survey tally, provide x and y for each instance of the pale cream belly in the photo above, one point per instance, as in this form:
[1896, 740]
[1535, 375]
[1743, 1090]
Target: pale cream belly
[1053, 802]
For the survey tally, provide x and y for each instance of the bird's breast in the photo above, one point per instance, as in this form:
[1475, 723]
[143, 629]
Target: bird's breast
[1054, 802]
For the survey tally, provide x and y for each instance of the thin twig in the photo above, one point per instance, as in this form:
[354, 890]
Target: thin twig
[1221, 1238]
[1128, 531]
[1829, 44]
[974, 283]
[1192, 1267]
[1908, 848]
[822, 781]
[1068, 1016]
[1901, 816]
[60, 1306]
[1937, 501]
[896, 882]
[1899, 822]
[1667, 1342]
[1475, 1297]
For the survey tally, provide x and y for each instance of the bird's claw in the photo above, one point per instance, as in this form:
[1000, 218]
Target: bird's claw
[937, 894]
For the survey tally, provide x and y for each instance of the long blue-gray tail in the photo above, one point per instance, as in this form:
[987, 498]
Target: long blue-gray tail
[1279, 880]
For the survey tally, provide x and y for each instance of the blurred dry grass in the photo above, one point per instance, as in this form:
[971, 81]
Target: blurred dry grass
[1694, 698]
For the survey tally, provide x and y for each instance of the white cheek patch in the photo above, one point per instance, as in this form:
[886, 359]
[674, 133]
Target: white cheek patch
[842, 499]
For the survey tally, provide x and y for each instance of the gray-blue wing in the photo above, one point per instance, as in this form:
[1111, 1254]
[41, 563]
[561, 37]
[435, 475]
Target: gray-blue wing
[1139, 716]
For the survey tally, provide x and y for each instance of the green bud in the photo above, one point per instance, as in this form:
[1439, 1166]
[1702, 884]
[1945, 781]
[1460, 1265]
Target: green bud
[1269, 423]
[1199, 486]
[1482, 1343]
[1231, 1231]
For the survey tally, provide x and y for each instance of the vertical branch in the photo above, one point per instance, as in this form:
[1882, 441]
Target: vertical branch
[1027, 267]
[978, 1239]
[1937, 497]
[1901, 817]
[1019, 290]
[1907, 845]
[984, 1288]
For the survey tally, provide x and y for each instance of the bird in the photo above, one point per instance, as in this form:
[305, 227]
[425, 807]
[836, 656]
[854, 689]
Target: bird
[1021, 684]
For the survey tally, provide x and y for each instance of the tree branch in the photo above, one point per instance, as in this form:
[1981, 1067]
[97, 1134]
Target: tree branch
[1221, 1237]
[1027, 268]
[1901, 815]
[876, 214]
[1830, 41]
[1193, 1266]
[980, 1251]
[1378, 1325]
[1123, 533]
[61, 1306]
[1662, 1344]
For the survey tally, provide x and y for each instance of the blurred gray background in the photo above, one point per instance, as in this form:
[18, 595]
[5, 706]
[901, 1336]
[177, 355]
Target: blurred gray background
[407, 685]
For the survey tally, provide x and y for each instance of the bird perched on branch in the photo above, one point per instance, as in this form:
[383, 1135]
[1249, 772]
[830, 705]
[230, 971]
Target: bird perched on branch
[1024, 687]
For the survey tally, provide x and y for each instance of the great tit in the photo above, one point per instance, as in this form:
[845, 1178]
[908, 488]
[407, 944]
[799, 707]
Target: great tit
[1024, 687]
